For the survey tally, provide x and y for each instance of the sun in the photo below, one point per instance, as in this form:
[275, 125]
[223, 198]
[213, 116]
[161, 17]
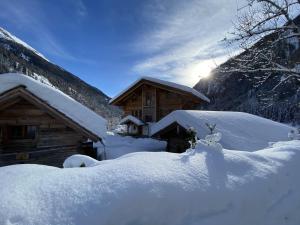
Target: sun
[200, 70]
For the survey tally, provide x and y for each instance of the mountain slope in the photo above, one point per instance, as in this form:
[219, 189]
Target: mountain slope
[264, 94]
[17, 56]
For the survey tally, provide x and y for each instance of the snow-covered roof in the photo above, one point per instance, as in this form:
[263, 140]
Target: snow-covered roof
[239, 130]
[132, 119]
[165, 83]
[80, 114]
[4, 34]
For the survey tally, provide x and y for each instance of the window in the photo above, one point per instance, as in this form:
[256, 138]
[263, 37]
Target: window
[16, 132]
[21, 132]
[148, 118]
[148, 101]
[31, 132]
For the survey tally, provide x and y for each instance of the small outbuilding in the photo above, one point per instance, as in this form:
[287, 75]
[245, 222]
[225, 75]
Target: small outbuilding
[239, 130]
[42, 125]
[134, 125]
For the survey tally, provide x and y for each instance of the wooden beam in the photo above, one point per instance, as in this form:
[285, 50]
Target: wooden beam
[9, 103]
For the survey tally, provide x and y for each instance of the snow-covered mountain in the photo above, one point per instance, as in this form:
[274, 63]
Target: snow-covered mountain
[4, 34]
[17, 56]
[255, 92]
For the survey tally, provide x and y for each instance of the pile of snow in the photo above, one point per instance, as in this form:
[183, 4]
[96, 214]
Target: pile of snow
[58, 100]
[132, 119]
[79, 161]
[120, 129]
[241, 131]
[4, 34]
[164, 83]
[116, 145]
[203, 186]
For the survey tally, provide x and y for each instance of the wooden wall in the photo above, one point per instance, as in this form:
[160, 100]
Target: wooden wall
[54, 141]
[149, 107]
[176, 137]
[168, 102]
[163, 102]
[133, 104]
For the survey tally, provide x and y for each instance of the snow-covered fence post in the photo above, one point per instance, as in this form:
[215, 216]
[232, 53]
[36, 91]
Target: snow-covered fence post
[104, 150]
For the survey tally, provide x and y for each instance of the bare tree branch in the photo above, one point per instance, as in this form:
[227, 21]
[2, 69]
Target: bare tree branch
[262, 26]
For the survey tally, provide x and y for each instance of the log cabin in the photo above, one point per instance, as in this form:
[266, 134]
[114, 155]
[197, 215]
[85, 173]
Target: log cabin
[149, 99]
[40, 124]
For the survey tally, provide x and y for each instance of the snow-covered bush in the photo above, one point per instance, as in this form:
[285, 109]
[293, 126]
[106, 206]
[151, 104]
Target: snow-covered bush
[212, 140]
[192, 137]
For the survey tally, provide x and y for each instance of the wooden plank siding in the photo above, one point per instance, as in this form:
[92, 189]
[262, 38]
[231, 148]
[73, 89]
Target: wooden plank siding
[134, 104]
[21, 91]
[163, 101]
[54, 140]
[51, 156]
[176, 137]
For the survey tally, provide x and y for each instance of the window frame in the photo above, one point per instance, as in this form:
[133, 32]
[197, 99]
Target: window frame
[24, 131]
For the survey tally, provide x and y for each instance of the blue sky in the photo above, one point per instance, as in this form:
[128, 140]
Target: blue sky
[110, 43]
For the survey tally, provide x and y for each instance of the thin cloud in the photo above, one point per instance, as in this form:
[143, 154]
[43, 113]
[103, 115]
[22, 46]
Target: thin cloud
[81, 8]
[185, 41]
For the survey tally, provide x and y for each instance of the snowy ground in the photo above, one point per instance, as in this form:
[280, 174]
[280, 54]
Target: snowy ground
[206, 186]
[116, 145]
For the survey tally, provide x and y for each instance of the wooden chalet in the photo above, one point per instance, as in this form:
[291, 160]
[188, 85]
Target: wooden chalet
[39, 124]
[149, 100]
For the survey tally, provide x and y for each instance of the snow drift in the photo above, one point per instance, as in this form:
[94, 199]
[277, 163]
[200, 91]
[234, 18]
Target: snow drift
[116, 145]
[205, 186]
[79, 161]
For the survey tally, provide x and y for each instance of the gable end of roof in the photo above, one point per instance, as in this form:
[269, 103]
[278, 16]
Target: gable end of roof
[167, 84]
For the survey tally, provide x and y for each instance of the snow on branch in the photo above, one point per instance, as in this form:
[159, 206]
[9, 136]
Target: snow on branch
[262, 27]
